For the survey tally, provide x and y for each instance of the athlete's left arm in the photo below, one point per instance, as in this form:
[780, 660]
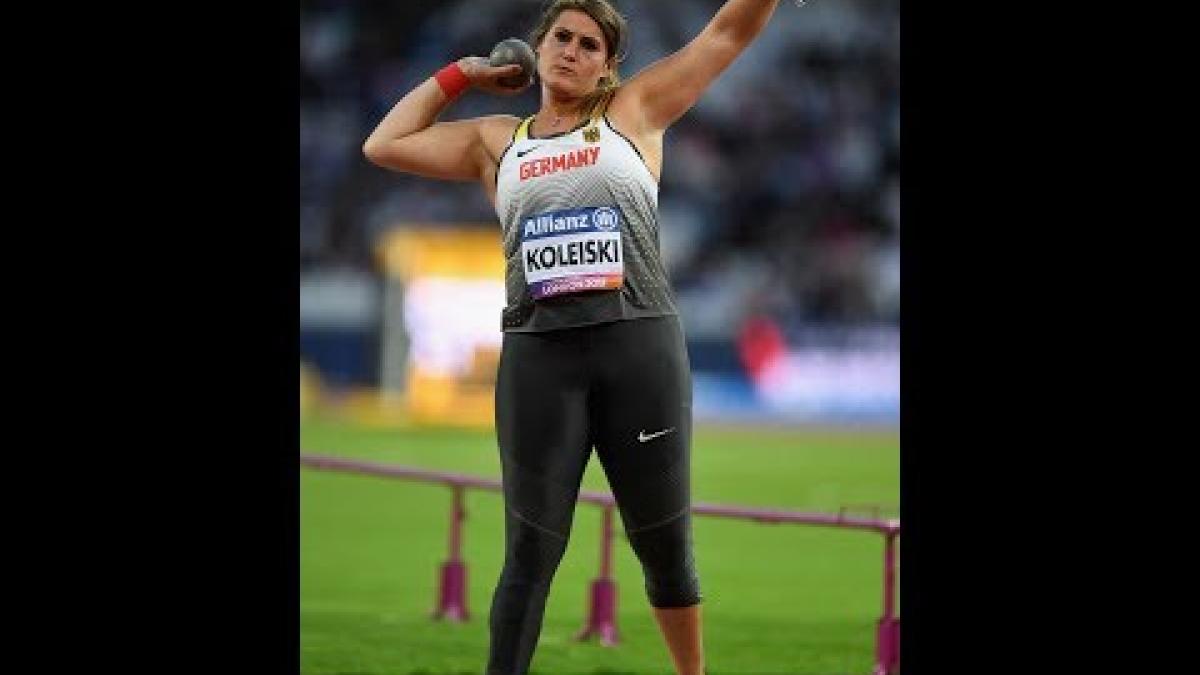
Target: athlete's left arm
[665, 90]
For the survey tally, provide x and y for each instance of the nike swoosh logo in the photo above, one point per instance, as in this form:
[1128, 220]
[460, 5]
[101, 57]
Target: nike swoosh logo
[643, 436]
[522, 153]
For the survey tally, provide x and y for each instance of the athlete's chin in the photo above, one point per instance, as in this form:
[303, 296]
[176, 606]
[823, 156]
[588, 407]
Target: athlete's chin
[564, 86]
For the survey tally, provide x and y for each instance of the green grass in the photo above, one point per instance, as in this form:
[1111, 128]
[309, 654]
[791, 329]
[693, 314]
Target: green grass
[779, 599]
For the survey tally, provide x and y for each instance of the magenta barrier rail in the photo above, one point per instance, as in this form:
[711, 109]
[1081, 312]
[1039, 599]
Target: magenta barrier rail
[601, 620]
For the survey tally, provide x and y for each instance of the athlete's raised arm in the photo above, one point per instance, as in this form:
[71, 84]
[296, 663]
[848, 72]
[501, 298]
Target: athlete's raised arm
[410, 140]
[662, 92]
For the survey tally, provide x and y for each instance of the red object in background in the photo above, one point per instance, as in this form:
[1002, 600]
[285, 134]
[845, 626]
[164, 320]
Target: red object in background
[760, 343]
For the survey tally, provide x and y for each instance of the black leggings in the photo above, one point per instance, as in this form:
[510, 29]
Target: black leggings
[625, 388]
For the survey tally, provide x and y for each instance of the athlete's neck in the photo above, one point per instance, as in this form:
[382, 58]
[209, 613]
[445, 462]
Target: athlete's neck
[558, 114]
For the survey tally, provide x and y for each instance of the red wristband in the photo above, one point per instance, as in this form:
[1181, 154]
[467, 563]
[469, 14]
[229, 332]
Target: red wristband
[452, 80]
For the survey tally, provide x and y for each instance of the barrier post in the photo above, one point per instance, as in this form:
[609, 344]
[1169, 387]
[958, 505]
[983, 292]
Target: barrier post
[602, 610]
[887, 637]
[452, 592]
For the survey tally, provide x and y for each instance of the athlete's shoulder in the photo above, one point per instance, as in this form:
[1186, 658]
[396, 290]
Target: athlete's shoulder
[499, 125]
[623, 109]
[497, 132]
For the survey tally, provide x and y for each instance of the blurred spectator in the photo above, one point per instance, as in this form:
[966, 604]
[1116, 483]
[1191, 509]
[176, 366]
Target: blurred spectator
[781, 189]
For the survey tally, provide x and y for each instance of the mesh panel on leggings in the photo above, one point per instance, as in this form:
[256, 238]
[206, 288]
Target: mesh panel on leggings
[531, 557]
[544, 501]
[648, 497]
[665, 551]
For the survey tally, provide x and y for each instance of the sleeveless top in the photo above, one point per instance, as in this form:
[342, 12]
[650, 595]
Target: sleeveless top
[579, 212]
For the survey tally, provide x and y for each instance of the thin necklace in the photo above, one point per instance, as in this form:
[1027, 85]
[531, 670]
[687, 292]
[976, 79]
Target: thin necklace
[557, 118]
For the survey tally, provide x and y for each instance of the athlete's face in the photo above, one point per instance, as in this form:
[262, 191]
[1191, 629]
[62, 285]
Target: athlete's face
[572, 57]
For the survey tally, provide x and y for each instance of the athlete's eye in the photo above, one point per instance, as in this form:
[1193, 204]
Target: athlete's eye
[589, 44]
[563, 36]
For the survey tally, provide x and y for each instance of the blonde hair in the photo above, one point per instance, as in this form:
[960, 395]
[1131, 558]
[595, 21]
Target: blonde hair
[612, 25]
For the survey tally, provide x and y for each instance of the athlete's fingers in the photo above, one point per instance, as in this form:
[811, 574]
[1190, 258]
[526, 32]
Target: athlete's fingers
[487, 77]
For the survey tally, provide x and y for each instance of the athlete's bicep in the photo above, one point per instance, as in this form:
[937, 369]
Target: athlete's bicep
[445, 150]
[668, 88]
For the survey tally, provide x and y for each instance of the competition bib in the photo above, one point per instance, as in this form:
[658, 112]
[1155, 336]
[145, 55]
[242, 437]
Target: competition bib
[572, 250]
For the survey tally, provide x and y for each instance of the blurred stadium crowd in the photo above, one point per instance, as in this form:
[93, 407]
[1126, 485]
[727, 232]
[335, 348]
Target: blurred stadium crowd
[780, 195]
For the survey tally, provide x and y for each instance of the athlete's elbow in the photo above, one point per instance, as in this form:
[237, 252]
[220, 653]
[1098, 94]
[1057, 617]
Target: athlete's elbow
[373, 150]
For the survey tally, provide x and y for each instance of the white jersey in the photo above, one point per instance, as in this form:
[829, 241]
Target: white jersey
[580, 217]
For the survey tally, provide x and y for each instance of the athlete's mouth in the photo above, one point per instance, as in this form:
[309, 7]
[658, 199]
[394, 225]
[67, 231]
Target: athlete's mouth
[563, 69]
